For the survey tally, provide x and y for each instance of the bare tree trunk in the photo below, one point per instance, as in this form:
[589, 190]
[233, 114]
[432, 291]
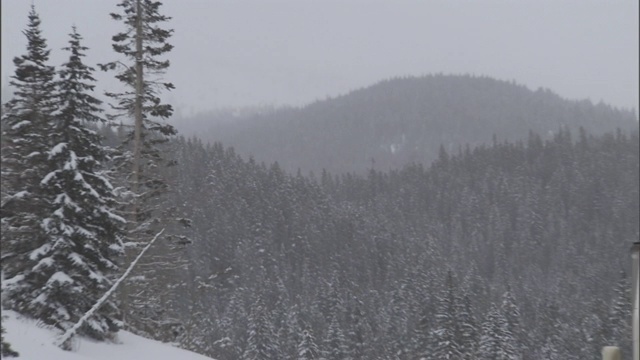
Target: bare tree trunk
[137, 149]
[138, 104]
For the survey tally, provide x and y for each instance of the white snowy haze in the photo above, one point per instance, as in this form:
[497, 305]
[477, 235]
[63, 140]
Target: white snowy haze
[291, 52]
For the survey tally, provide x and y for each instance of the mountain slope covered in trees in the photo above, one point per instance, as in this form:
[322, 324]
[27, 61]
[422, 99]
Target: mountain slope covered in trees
[402, 120]
[517, 246]
[513, 250]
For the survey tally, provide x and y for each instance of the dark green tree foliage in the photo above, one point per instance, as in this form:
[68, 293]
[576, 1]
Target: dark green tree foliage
[143, 165]
[142, 21]
[82, 229]
[60, 230]
[26, 121]
[154, 45]
[76, 104]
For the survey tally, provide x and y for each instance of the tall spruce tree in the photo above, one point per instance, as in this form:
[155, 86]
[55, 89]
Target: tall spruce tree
[359, 335]
[60, 234]
[420, 342]
[445, 334]
[307, 349]
[496, 342]
[468, 335]
[82, 230]
[395, 322]
[619, 314]
[335, 343]
[26, 121]
[551, 331]
[143, 43]
[262, 341]
[512, 315]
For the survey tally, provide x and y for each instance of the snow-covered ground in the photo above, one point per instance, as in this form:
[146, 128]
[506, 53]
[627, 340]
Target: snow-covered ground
[34, 342]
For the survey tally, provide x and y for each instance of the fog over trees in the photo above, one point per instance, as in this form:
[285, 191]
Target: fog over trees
[399, 121]
[434, 217]
[512, 247]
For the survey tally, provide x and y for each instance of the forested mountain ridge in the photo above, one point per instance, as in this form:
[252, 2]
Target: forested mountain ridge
[516, 244]
[402, 120]
[513, 250]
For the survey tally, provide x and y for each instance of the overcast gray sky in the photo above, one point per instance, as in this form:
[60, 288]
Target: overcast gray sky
[262, 52]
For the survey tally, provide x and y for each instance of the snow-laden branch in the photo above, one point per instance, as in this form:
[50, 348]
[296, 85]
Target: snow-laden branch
[70, 332]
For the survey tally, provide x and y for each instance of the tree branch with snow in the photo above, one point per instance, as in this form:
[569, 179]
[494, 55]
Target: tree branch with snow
[70, 332]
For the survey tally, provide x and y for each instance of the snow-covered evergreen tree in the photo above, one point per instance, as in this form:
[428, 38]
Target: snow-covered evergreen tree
[618, 323]
[142, 43]
[592, 328]
[329, 299]
[496, 342]
[285, 320]
[512, 315]
[334, 346]
[549, 350]
[394, 321]
[420, 347]
[60, 232]
[262, 341]
[83, 232]
[467, 326]
[445, 333]
[551, 331]
[150, 309]
[308, 350]
[26, 122]
[232, 326]
[289, 334]
[359, 335]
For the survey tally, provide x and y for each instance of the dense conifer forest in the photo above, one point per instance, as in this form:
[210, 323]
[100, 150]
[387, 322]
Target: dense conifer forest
[444, 217]
[509, 246]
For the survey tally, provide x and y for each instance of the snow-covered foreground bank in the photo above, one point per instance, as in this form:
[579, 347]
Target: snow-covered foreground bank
[36, 343]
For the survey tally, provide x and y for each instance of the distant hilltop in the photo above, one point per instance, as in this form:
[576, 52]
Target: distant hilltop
[403, 120]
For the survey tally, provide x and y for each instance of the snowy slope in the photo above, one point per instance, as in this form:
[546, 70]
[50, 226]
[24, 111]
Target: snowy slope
[36, 343]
